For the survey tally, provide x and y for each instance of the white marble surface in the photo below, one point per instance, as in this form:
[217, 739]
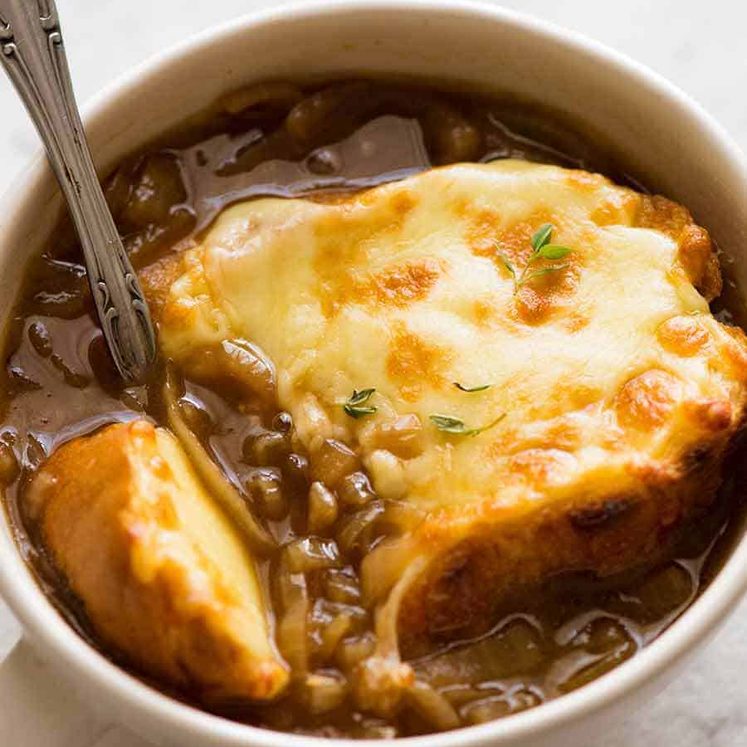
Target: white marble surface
[697, 45]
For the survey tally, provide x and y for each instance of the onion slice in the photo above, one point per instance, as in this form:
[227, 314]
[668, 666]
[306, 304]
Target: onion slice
[223, 491]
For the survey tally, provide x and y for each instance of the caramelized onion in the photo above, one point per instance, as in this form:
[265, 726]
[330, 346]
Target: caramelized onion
[238, 364]
[355, 531]
[282, 422]
[292, 628]
[322, 508]
[452, 138]
[311, 554]
[401, 436]
[265, 486]
[605, 643]
[332, 461]
[332, 634]
[496, 706]
[379, 684]
[159, 188]
[212, 476]
[311, 119]
[351, 651]
[275, 95]
[666, 590]
[292, 635]
[341, 586]
[432, 706]
[196, 418]
[355, 490]
[323, 692]
[269, 447]
[485, 710]
[9, 469]
[296, 472]
[289, 587]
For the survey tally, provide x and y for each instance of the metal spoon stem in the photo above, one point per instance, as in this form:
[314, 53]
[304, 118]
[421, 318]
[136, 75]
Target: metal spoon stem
[32, 52]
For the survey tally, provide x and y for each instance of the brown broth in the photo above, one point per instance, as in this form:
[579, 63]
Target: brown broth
[58, 383]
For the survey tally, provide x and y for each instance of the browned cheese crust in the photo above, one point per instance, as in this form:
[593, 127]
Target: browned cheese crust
[163, 577]
[620, 391]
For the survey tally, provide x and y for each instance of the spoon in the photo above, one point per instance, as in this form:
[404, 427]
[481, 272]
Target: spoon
[32, 52]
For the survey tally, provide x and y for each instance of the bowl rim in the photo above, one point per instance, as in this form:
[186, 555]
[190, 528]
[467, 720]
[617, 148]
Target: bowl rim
[39, 617]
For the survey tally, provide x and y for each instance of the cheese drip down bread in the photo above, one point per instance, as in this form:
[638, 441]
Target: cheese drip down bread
[163, 576]
[611, 391]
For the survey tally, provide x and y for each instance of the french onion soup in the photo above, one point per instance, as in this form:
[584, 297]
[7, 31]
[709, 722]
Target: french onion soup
[440, 427]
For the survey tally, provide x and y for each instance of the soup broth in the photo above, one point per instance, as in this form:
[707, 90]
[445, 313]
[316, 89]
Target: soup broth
[59, 382]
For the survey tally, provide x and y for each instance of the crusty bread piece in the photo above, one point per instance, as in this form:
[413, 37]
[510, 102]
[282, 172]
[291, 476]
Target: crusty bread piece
[164, 577]
[618, 390]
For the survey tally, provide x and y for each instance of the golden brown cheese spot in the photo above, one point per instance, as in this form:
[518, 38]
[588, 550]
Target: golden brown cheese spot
[617, 209]
[398, 286]
[682, 335]
[696, 255]
[414, 364]
[538, 300]
[157, 278]
[697, 258]
[647, 400]
[710, 415]
[661, 214]
[515, 239]
[580, 395]
[402, 204]
[483, 312]
[576, 322]
[542, 465]
[532, 305]
[483, 225]
[564, 434]
[347, 235]
[585, 181]
[733, 356]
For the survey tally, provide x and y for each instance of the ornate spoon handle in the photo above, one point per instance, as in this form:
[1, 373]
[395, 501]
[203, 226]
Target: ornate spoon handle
[32, 52]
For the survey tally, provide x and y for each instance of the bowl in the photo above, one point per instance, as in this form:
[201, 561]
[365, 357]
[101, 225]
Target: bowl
[660, 133]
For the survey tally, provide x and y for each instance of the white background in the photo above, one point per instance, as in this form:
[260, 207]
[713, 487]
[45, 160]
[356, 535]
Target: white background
[698, 45]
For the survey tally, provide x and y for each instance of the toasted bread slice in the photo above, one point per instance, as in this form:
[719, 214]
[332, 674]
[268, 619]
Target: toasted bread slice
[164, 577]
[609, 390]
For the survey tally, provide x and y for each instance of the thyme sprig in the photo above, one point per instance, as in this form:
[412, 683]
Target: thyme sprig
[479, 388]
[541, 249]
[456, 427]
[356, 406]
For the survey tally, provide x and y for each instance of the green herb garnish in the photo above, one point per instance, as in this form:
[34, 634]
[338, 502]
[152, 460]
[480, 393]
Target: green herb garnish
[463, 388]
[456, 427]
[541, 249]
[356, 405]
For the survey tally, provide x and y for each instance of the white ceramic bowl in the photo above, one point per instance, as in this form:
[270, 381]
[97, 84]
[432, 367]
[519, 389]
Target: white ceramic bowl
[663, 134]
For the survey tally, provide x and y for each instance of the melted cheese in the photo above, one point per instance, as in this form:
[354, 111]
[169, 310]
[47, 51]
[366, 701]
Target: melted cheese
[606, 371]
[163, 575]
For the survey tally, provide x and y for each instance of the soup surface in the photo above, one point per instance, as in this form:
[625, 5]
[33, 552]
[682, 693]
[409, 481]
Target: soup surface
[58, 384]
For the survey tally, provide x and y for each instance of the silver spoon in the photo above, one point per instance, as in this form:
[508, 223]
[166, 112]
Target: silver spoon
[33, 55]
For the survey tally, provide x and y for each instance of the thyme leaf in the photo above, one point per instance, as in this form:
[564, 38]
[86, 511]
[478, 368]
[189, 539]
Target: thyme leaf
[554, 251]
[544, 271]
[541, 249]
[541, 236]
[480, 388]
[356, 406]
[456, 427]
